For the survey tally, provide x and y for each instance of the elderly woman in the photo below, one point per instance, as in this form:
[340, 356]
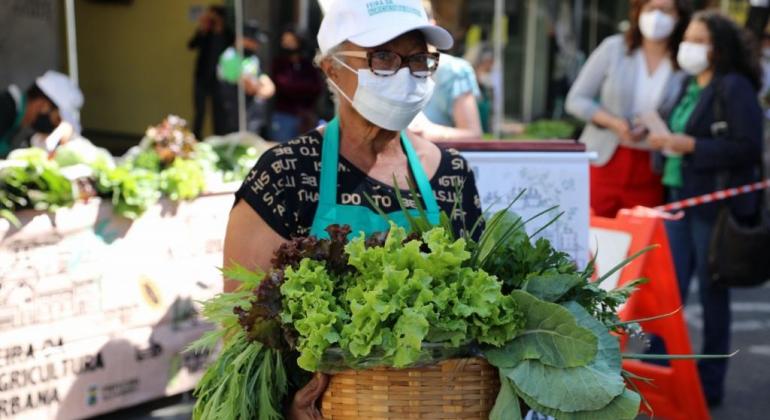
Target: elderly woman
[376, 60]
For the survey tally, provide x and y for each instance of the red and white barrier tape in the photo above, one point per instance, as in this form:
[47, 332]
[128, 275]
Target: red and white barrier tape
[712, 197]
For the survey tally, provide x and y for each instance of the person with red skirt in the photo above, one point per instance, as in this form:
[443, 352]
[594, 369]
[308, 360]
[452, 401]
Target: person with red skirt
[627, 76]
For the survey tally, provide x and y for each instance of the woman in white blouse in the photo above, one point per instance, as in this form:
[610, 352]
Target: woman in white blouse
[627, 76]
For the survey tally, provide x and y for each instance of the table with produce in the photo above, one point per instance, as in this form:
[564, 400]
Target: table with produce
[102, 263]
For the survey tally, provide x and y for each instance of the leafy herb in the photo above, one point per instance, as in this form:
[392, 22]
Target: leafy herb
[247, 380]
[32, 181]
[131, 190]
[183, 180]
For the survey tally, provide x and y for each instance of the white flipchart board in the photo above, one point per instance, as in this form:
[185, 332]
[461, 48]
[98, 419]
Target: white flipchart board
[550, 179]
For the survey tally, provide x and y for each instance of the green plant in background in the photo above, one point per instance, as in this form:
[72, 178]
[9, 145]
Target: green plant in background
[31, 181]
[544, 130]
[183, 180]
[548, 130]
[131, 190]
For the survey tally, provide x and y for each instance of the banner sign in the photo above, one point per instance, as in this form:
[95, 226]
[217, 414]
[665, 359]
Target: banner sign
[96, 310]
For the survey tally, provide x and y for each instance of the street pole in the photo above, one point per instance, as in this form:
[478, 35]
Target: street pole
[304, 15]
[530, 58]
[72, 47]
[238, 5]
[499, 86]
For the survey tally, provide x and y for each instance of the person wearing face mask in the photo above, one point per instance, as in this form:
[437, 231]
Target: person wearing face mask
[48, 102]
[298, 86]
[376, 61]
[626, 77]
[716, 143]
[258, 86]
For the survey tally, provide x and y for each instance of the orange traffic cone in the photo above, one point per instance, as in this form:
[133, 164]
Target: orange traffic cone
[675, 392]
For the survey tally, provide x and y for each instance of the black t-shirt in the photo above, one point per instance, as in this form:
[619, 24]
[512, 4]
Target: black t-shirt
[283, 188]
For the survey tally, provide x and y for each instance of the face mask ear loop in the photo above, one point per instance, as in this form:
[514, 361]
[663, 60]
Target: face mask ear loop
[337, 86]
[339, 90]
[346, 65]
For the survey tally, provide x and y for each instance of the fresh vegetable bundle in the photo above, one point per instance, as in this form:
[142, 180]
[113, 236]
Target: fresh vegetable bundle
[28, 179]
[168, 162]
[393, 299]
[232, 156]
[170, 140]
[131, 190]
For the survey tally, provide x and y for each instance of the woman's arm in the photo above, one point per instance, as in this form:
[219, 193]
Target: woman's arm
[465, 112]
[581, 99]
[467, 119]
[249, 242]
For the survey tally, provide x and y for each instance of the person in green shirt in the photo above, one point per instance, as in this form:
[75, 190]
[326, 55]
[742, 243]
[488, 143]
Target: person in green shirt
[234, 68]
[715, 142]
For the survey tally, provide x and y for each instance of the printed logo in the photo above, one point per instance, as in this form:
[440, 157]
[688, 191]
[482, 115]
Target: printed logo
[150, 292]
[91, 396]
[375, 8]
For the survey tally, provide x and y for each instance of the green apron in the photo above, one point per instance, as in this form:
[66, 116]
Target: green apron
[5, 140]
[362, 219]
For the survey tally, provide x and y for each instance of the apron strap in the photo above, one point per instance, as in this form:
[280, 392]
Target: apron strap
[420, 177]
[330, 151]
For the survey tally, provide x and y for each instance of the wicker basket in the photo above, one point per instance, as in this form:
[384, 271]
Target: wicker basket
[453, 389]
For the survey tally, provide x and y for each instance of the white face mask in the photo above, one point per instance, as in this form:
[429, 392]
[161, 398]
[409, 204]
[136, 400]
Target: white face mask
[656, 25]
[389, 102]
[693, 57]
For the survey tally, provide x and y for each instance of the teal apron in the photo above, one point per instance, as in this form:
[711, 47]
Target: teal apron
[5, 140]
[362, 219]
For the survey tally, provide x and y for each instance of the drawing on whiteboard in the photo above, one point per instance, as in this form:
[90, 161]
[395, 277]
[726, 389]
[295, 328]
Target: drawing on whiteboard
[502, 177]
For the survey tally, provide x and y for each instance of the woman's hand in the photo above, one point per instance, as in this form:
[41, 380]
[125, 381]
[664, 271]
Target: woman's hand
[675, 143]
[304, 406]
[625, 132]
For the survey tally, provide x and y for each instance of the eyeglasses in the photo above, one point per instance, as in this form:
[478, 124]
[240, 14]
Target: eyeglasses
[388, 63]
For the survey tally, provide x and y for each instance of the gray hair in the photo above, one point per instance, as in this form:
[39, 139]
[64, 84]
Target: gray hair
[320, 57]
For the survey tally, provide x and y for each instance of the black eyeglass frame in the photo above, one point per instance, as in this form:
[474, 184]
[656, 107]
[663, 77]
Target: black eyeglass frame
[404, 61]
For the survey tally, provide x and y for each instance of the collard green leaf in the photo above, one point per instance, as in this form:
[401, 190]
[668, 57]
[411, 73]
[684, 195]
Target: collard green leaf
[623, 407]
[584, 388]
[550, 335]
[507, 403]
[551, 287]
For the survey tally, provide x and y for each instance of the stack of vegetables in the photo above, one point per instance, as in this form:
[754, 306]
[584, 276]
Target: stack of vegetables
[410, 298]
[168, 162]
[28, 179]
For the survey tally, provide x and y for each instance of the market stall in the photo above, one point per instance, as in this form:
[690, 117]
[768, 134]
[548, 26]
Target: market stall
[102, 261]
[96, 309]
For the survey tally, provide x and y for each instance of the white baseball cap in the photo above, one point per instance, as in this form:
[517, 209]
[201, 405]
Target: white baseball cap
[64, 93]
[369, 23]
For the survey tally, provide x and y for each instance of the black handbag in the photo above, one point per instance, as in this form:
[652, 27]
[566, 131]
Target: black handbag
[739, 253]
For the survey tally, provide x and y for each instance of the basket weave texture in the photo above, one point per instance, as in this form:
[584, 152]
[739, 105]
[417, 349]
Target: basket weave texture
[452, 389]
